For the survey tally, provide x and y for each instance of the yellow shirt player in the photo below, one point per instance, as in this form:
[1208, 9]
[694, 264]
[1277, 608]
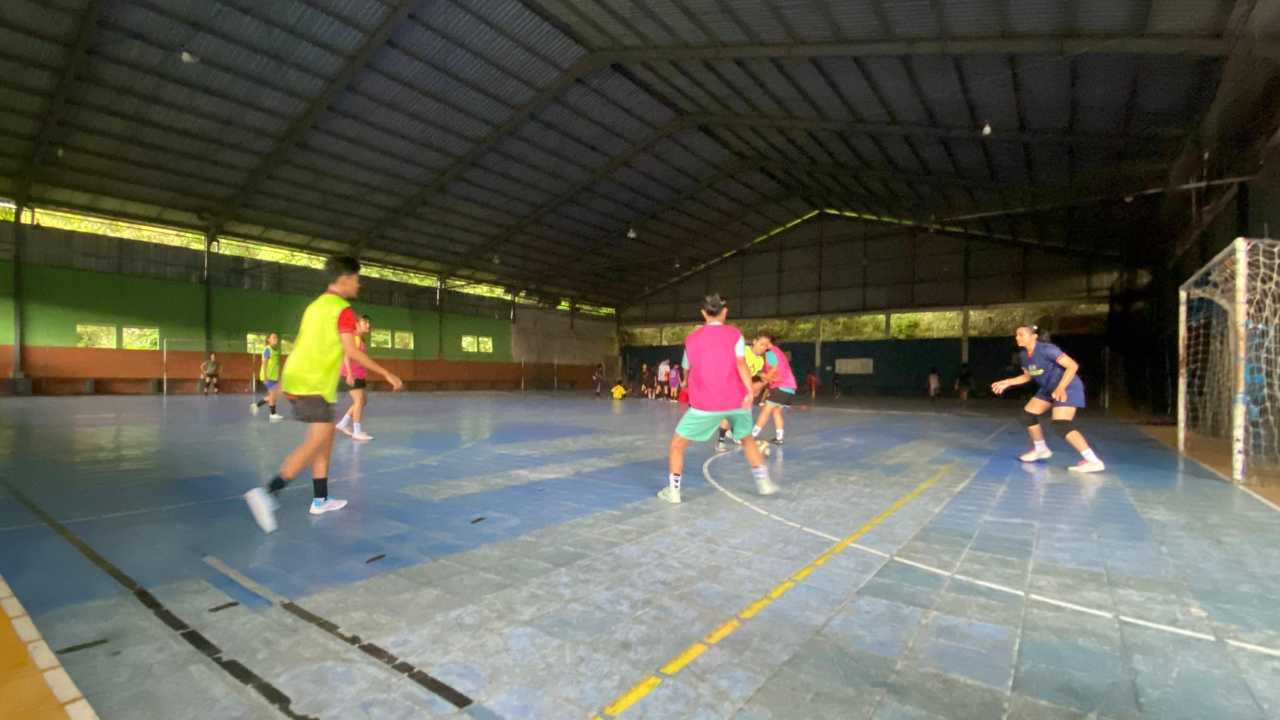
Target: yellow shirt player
[618, 392]
[310, 381]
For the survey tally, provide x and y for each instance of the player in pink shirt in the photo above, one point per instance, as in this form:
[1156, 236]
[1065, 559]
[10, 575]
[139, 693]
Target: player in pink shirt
[781, 381]
[719, 389]
[353, 377]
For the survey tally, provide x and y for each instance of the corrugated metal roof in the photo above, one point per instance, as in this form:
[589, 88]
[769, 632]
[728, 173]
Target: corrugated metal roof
[482, 119]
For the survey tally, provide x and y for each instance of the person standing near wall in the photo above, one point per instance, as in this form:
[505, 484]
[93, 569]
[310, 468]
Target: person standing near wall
[964, 382]
[269, 376]
[209, 370]
[597, 378]
[935, 384]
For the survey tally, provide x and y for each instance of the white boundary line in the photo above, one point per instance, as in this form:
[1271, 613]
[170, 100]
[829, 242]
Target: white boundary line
[706, 472]
[60, 683]
[1260, 499]
[1225, 478]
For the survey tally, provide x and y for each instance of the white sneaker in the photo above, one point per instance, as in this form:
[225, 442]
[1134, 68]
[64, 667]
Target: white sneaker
[766, 486]
[764, 447]
[670, 494]
[1034, 455]
[263, 507]
[253, 407]
[721, 446]
[362, 435]
[1085, 466]
[276, 417]
[320, 507]
[344, 429]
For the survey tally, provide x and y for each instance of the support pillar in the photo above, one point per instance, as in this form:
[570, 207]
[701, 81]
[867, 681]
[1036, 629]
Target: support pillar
[210, 237]
[19, 239]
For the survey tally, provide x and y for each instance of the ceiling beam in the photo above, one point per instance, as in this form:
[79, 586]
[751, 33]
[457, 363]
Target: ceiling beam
[964, 133]
[301, 125]
[1066, 46]
[57, 110]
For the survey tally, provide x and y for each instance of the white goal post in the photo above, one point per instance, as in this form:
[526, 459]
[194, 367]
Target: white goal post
[1229, 357]
[223, 348]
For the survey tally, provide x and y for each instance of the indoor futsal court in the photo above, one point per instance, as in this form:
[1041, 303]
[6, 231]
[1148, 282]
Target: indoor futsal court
[679, 359]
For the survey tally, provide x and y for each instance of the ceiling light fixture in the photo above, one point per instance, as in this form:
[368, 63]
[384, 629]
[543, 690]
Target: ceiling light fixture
[986, 129]
[189, 59]
[631, 234]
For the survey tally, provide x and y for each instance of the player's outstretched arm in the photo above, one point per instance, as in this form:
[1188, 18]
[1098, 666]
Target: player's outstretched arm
[355, 353]
[1000, 386]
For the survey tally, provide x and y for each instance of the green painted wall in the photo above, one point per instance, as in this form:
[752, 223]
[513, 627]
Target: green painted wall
[56, 299]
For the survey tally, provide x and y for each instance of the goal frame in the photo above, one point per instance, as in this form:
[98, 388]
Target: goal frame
[1238, 250]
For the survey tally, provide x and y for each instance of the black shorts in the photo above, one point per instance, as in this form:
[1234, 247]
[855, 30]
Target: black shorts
[781, 398]
[208, 378]
[357, 384]
[311, 409]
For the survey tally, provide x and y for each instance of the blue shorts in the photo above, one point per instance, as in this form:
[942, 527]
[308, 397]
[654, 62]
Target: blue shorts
[1075, 395]
[270, 384]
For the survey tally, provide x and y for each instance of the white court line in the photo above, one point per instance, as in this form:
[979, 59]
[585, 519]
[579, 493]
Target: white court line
[706, 472]
[1259, 498]
[246, 582]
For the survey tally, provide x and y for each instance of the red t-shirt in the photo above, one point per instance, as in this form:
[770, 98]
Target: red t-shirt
[347, 322]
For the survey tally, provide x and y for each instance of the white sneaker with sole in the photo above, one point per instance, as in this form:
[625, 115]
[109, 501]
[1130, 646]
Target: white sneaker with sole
[263, 507]
[766, 486]
[1085, 466]
[276, 417]
[721, 446]
[253, 407]
[670, 494]
[320, 507]
[362, 435]
[344, 429]
[1034, 455]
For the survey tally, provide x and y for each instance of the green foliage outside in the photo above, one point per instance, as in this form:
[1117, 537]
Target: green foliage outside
[853, 327]
[96, 336]
[140, 338]
[913, 325]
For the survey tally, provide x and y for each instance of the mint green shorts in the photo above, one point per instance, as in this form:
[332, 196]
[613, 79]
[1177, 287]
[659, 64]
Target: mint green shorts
[700, 425]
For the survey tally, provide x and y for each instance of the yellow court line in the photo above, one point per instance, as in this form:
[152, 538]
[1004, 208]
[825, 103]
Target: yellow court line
[637, 692]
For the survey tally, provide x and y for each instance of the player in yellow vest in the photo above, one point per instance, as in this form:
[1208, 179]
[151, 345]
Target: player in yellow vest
[269, 376]
[310, 381]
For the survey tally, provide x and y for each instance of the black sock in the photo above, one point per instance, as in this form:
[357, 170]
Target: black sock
[273, 409]
[276, 485]
[261, 403]
[320, 488]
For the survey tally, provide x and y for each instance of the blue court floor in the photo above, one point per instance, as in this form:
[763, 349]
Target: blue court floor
[504, 556]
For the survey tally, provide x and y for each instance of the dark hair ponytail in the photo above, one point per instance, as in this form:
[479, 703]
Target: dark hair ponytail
[1041, 334]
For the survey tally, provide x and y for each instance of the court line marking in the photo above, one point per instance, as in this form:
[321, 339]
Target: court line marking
[687, 656]
[1225, 477]
[61, 687]
[706, 472]
[237, 670]
[432, 684]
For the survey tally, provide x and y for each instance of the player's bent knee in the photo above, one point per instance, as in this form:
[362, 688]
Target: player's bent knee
[1064, 427]
[1030, 419]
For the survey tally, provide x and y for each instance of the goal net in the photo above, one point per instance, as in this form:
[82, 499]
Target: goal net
[1229, 359]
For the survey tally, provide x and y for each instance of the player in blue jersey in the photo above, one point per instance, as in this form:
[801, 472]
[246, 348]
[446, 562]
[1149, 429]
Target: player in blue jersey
[1059, 389]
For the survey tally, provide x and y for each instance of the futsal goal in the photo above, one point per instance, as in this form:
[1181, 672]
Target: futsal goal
[180, 360]
[1229, 359]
